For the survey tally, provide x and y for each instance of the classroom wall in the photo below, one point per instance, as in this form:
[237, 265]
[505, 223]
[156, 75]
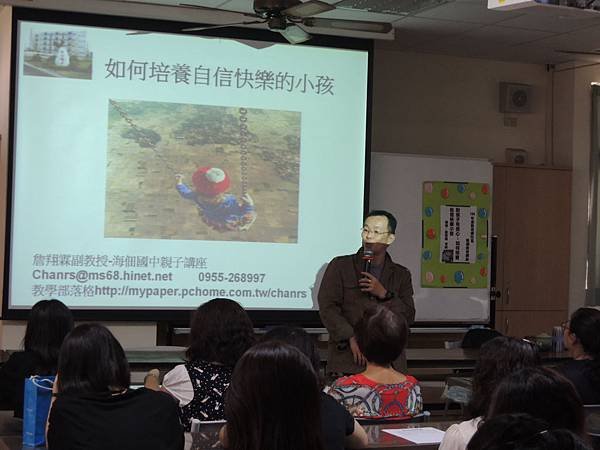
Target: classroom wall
[572, 140]
[444, 105]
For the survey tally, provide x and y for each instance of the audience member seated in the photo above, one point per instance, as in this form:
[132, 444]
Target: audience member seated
[542, 393]
[220, 333]
[380, 391]
[273, 401]
[340, 430]
[497, 358]
[49, 322]
[582, 340]
[93, 407]
[523, 432]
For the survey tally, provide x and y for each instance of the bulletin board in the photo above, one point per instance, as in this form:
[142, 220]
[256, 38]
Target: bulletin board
[455, 218]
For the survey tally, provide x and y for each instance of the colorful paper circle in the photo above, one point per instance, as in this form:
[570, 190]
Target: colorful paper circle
[459, 276]
[431, 233]
[428, 188]
[427, 255]
[461, 188]
[445, 193]
[482, 212]
[429, 277]
[429, 211]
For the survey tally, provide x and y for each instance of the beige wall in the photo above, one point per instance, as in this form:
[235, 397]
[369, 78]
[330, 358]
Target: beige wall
[444, 105]
[572, 139]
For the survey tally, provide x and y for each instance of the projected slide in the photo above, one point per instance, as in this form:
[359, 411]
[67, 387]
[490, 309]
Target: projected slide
[159, 171]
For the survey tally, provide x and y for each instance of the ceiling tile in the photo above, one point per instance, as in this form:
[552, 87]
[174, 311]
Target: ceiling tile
[468, 12]
[548, 20]
[412, 31]
[494, 34]
[582, 40]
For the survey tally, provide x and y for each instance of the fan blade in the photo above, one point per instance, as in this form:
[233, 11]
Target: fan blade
[224, 25]
[582, 53]
[353, 25]
[135, 33]
[307, 9]
[208, 8]
[294, 34]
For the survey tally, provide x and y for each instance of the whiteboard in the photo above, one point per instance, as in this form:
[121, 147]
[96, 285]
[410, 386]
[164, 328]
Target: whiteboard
[397, 186]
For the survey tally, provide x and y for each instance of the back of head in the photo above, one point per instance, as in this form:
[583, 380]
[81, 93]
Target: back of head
[504, 430]
[49, 322]
[220, 331]
[381, 335]
[498, 358]
[523, 432]
[541, 393]
[298, 338]
[273, 401]
[92, 361]
[585, 324]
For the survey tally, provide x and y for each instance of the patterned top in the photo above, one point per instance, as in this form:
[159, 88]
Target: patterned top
[200, 388]
[366, 398]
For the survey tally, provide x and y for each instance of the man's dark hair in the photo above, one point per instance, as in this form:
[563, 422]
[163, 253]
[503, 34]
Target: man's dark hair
[92, 361]
[392, 222]
[381, 335]
[49, 322]
[221, 331]
[498, 358]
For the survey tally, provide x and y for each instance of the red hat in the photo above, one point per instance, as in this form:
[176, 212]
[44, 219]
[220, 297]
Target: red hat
[210, 181]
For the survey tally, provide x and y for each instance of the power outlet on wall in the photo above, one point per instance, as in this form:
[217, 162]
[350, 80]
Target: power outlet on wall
[510, 121]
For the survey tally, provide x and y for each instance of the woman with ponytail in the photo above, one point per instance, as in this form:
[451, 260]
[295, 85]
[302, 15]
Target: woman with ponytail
[582, 340]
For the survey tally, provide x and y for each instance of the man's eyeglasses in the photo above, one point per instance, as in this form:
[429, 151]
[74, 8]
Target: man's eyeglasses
[565, 325]
[365, 230]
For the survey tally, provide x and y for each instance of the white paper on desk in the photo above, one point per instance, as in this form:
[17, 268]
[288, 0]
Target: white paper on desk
[425, 435]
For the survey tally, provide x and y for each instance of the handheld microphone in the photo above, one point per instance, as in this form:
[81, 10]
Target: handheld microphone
[367, 260]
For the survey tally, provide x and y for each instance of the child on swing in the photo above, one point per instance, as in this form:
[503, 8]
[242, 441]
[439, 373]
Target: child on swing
[219, 209]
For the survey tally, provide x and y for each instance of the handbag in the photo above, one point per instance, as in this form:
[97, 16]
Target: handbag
[36, 404]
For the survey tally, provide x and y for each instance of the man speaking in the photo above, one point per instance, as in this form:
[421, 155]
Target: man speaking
[351, 283]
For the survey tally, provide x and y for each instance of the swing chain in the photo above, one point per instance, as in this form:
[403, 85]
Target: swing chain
[244, 149]
[141, 139]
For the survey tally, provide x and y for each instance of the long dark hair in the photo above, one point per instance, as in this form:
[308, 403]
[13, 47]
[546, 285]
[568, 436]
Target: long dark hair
[273, 401]
[523, 432]
[49, 322]
[92, 362]
[497, 358]
[542, 393]
[220, 331]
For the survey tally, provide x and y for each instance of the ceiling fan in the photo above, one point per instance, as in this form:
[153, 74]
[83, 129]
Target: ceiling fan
[289, 17]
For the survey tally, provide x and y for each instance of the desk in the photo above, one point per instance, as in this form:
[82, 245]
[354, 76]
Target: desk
[207, 438]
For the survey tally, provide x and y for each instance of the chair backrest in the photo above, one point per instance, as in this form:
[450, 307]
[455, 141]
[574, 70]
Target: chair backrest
[592, 419]
[423, 417]
[476, 337]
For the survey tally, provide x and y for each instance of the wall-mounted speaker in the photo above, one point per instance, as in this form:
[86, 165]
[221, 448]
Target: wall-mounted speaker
[515, 97]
